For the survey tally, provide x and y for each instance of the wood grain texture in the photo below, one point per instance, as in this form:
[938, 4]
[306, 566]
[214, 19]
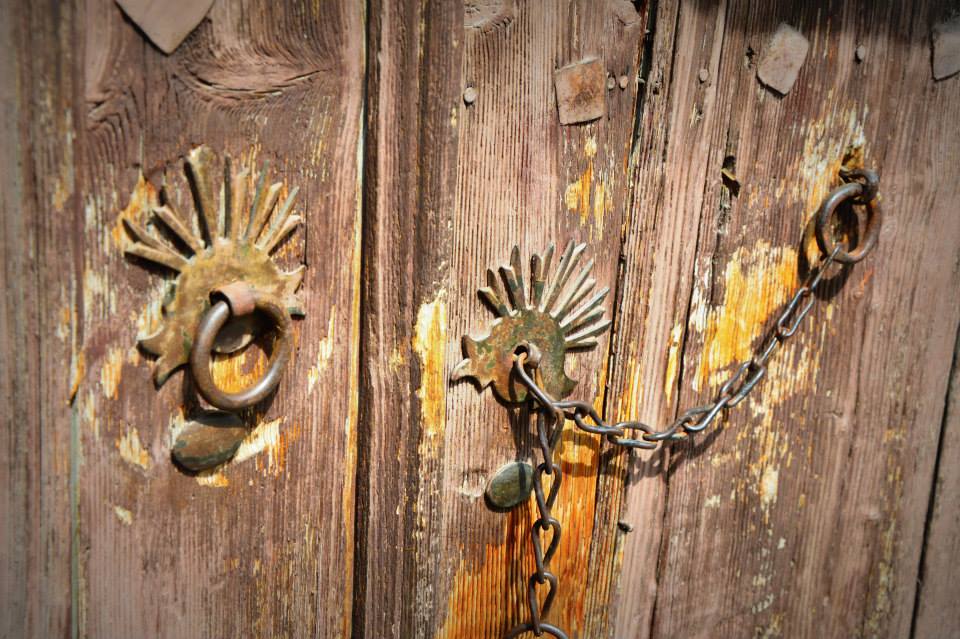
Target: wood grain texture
[937, 595]
[38, 331]
[803, 515]
[355, 509]
[264, 546]
[450, 188]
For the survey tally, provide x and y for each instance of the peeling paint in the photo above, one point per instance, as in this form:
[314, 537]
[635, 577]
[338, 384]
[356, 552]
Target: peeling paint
[758, 281]
[110, 373]
[673, 360]
[589, 194]
[213, 479]
[429, 343]
[397, 360]
[132, 451]
[768, 486]
[265, 438]
[324, 352]
[124, 515]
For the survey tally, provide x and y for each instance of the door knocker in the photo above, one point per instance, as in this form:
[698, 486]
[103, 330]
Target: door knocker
[228, 290]
[523, 358]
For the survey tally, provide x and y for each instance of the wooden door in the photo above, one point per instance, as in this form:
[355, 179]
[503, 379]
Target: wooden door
[426, 142]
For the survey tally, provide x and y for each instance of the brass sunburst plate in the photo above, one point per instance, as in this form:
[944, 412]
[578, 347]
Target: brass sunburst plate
[555, 314]
[239, 225]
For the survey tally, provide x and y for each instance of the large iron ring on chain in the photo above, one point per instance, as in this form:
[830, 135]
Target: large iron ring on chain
[239, 299]
[860, 192]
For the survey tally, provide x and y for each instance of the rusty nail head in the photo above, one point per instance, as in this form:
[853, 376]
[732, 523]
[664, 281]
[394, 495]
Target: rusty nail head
[469, 95]
[624, 81]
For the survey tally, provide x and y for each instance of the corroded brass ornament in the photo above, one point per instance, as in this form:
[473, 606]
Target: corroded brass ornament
[239, 226]
[551, 316]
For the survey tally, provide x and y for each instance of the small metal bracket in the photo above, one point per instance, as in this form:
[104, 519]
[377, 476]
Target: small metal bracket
[550, 317]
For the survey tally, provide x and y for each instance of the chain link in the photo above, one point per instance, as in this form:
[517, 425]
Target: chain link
[551, 413]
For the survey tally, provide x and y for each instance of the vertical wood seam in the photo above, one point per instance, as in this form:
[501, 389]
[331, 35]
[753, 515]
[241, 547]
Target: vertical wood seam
[362, 465]
[931, 503]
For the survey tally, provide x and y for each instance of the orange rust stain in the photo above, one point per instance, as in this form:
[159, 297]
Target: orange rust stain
[429, 343]
[758, 281]
[489, 594]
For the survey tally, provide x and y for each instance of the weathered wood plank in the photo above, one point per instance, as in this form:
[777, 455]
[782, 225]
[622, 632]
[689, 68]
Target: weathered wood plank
[938, 598]
[264, 546]
[38, 329]
[803, 515]
[504, 171]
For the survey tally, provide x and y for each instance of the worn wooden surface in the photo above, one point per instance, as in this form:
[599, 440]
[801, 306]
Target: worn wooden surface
[936, 601]
[264, 546]
[355, 509]
[804, 515]
[39, 329]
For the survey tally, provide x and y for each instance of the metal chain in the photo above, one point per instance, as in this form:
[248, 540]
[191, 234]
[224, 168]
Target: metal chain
[545, 531]
[693, 420]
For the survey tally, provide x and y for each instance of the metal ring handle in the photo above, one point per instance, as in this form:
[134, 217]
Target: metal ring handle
[210, 324]
[547, 628]
[862, 194]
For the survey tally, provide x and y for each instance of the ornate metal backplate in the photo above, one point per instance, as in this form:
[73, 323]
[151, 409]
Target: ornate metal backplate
[548, 316]
[234, 240]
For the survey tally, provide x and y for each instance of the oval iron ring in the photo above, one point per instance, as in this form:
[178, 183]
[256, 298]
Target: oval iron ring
[210, 324]
[860, 193]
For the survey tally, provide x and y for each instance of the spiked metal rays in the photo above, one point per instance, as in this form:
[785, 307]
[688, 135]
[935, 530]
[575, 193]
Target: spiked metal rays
[554, 318]
[234, 241]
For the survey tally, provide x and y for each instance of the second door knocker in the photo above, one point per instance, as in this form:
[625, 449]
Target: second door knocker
[523, 358]
[228, 290]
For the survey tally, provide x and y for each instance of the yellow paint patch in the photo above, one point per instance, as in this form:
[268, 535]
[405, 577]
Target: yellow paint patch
[758, 281]
[110, 373]
[630, 403]
[588, 196]
[590, 146]
[132, 451]
[124, 515]
[234, 372]
[673, 360]
[429, 343]
[324, 352]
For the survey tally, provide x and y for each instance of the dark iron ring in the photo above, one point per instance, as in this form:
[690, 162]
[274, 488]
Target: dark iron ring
[523, 629]
[207, 330]
[857, 192]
